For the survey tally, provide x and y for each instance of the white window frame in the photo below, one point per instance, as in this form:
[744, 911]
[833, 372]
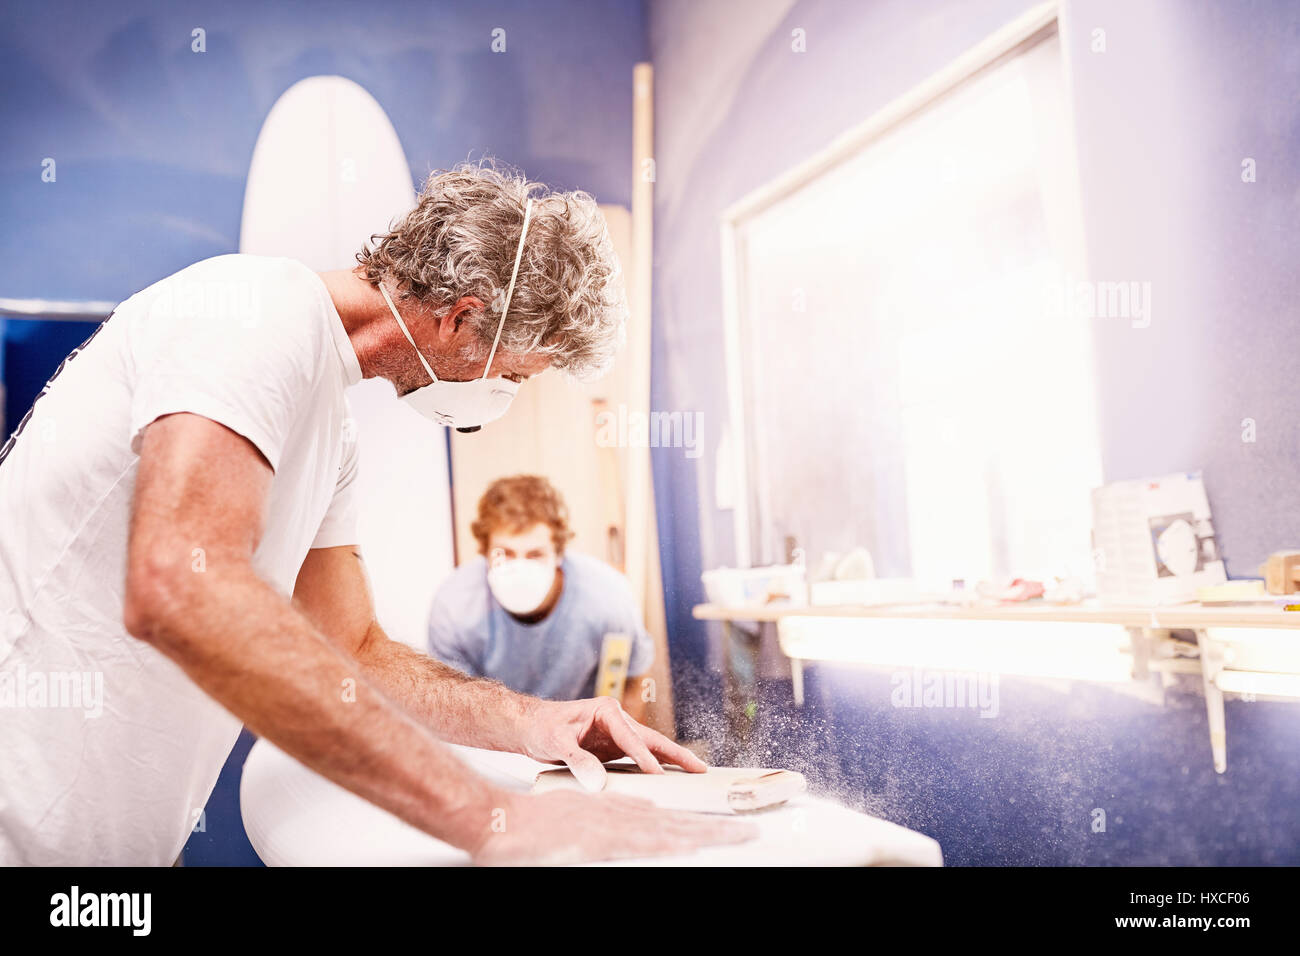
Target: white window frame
[1027, 30]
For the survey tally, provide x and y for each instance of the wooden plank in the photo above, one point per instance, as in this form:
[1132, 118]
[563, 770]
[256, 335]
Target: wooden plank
[641, 536]
[550, 430]
[638, 333]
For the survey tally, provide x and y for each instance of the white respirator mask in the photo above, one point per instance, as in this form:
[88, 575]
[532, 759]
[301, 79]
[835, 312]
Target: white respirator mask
[466, 406]
[521, 585]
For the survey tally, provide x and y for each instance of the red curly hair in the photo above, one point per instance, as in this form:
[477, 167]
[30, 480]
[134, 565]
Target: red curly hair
[517, 503]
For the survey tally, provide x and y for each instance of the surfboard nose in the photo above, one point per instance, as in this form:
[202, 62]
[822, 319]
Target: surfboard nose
[328, 171]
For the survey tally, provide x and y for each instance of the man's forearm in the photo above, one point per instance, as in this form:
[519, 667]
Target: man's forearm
[459, 709]
[253, 652]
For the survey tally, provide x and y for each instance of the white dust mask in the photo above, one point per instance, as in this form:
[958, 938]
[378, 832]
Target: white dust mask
[522, 584]
[466, 406]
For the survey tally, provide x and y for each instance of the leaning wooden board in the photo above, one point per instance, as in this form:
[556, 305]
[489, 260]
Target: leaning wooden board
[553, 429]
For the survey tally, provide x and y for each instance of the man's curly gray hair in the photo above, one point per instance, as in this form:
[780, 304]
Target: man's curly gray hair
[460, 240]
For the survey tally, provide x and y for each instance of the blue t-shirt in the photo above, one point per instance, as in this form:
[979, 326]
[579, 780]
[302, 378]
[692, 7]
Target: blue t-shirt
[557, 657]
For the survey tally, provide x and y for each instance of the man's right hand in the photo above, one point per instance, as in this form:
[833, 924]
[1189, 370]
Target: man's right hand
[571, 827]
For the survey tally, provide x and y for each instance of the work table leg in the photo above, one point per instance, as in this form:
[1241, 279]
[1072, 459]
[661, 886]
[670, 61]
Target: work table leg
[1211, 664]
[1141, 638]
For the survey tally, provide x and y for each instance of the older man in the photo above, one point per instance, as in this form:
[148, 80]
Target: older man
[178, 518]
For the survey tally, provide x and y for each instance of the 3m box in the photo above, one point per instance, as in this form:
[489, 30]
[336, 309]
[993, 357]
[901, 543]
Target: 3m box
[1153, 542]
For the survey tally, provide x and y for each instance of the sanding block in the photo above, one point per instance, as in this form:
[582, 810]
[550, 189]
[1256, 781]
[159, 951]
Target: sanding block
[720, 790]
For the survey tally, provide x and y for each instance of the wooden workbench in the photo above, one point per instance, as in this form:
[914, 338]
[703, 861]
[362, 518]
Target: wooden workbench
[1147, 628]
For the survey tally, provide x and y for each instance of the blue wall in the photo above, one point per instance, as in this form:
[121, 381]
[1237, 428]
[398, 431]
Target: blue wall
[153, 142]
[1185, 90]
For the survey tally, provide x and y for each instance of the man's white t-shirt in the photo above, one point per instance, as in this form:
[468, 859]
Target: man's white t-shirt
[108, 751]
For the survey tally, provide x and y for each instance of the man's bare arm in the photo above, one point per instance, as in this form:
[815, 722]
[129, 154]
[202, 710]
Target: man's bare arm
[201, 486]
[333, 593]
[202, 489]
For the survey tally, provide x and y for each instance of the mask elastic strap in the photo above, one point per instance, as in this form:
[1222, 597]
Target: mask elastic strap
[402, 326]
[510, 289]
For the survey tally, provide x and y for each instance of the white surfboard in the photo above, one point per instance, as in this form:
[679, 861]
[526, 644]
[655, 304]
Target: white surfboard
[328, 171]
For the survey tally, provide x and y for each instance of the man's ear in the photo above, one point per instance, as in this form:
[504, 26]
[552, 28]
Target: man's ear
[449, 321]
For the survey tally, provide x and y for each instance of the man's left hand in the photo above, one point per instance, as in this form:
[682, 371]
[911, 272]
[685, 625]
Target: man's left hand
[584, 733]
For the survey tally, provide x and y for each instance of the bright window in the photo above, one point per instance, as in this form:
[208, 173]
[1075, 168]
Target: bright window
[910, 378]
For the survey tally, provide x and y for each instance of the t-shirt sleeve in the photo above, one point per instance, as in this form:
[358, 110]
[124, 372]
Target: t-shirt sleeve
[339, 526]
[231, 346]
[447, 641]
